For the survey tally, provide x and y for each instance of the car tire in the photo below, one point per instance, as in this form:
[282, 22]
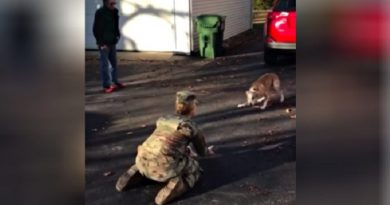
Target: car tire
[270, 56]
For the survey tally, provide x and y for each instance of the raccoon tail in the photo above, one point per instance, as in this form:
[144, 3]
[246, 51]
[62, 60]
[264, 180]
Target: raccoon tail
[276, 84]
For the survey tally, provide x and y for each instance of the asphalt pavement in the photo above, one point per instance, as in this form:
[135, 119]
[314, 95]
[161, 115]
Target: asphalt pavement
[255, 149]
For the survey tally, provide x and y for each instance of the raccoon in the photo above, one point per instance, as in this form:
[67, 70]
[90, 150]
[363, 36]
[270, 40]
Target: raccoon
[262, 89]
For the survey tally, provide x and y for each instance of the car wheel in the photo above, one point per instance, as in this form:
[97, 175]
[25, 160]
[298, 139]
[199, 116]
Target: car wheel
[270, 56]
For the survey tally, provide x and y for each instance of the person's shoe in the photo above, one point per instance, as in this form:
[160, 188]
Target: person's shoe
[130, 178]
[123, 181]
[109, 89]
[119, 85]
[172, 190]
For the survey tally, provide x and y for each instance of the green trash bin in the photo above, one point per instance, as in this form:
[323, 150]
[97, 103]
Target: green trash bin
[210, 28]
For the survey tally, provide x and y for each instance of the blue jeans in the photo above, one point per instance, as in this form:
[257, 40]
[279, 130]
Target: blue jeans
[108, 70]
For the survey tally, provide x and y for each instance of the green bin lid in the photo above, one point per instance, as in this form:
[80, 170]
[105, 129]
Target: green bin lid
[209, 20]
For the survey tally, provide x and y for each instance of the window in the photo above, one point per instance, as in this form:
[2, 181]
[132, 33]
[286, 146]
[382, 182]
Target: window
[285, 5]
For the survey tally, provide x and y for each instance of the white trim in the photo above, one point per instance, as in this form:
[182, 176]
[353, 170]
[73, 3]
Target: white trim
[191, 23]
[284, 46]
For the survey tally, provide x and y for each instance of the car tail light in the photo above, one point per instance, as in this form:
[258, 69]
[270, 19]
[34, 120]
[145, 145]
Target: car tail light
[280, 26]
[278, 19]
[269, 40]
[281, 22]
[271, 15]
[283, 14]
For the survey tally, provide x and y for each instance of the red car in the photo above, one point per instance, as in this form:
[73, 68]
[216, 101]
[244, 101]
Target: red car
[280, 30]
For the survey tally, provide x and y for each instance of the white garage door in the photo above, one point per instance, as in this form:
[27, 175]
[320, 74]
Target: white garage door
[147, 25]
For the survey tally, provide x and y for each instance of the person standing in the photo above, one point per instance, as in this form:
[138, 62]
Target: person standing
[106, 32]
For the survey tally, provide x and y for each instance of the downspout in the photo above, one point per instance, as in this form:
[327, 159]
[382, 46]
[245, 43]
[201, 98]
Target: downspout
[191, 34]
[175, 25]
[251, 15]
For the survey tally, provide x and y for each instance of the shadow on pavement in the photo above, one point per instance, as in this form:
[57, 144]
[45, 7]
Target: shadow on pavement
[229, 167]
[93, 122]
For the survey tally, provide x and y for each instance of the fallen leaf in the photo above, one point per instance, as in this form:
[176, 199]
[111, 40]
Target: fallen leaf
[244, 143]
[211, 150]
[117, 148]
[270, 147]
[241, 105]
[106, 174]
[293, 116]
[255, 189]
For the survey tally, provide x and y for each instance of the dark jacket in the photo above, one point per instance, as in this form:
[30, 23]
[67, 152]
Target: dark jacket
[106, 26]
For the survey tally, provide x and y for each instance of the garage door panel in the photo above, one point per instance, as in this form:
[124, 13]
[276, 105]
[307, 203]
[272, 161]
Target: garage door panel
[90, 42]
[147, 25]
[156, 37]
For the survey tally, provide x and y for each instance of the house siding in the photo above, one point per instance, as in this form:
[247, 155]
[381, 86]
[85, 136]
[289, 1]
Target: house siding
[168, 25]
[238, 15]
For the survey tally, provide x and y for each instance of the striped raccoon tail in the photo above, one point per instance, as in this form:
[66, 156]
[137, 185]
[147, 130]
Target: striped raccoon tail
[278, 89]
[276, 84]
